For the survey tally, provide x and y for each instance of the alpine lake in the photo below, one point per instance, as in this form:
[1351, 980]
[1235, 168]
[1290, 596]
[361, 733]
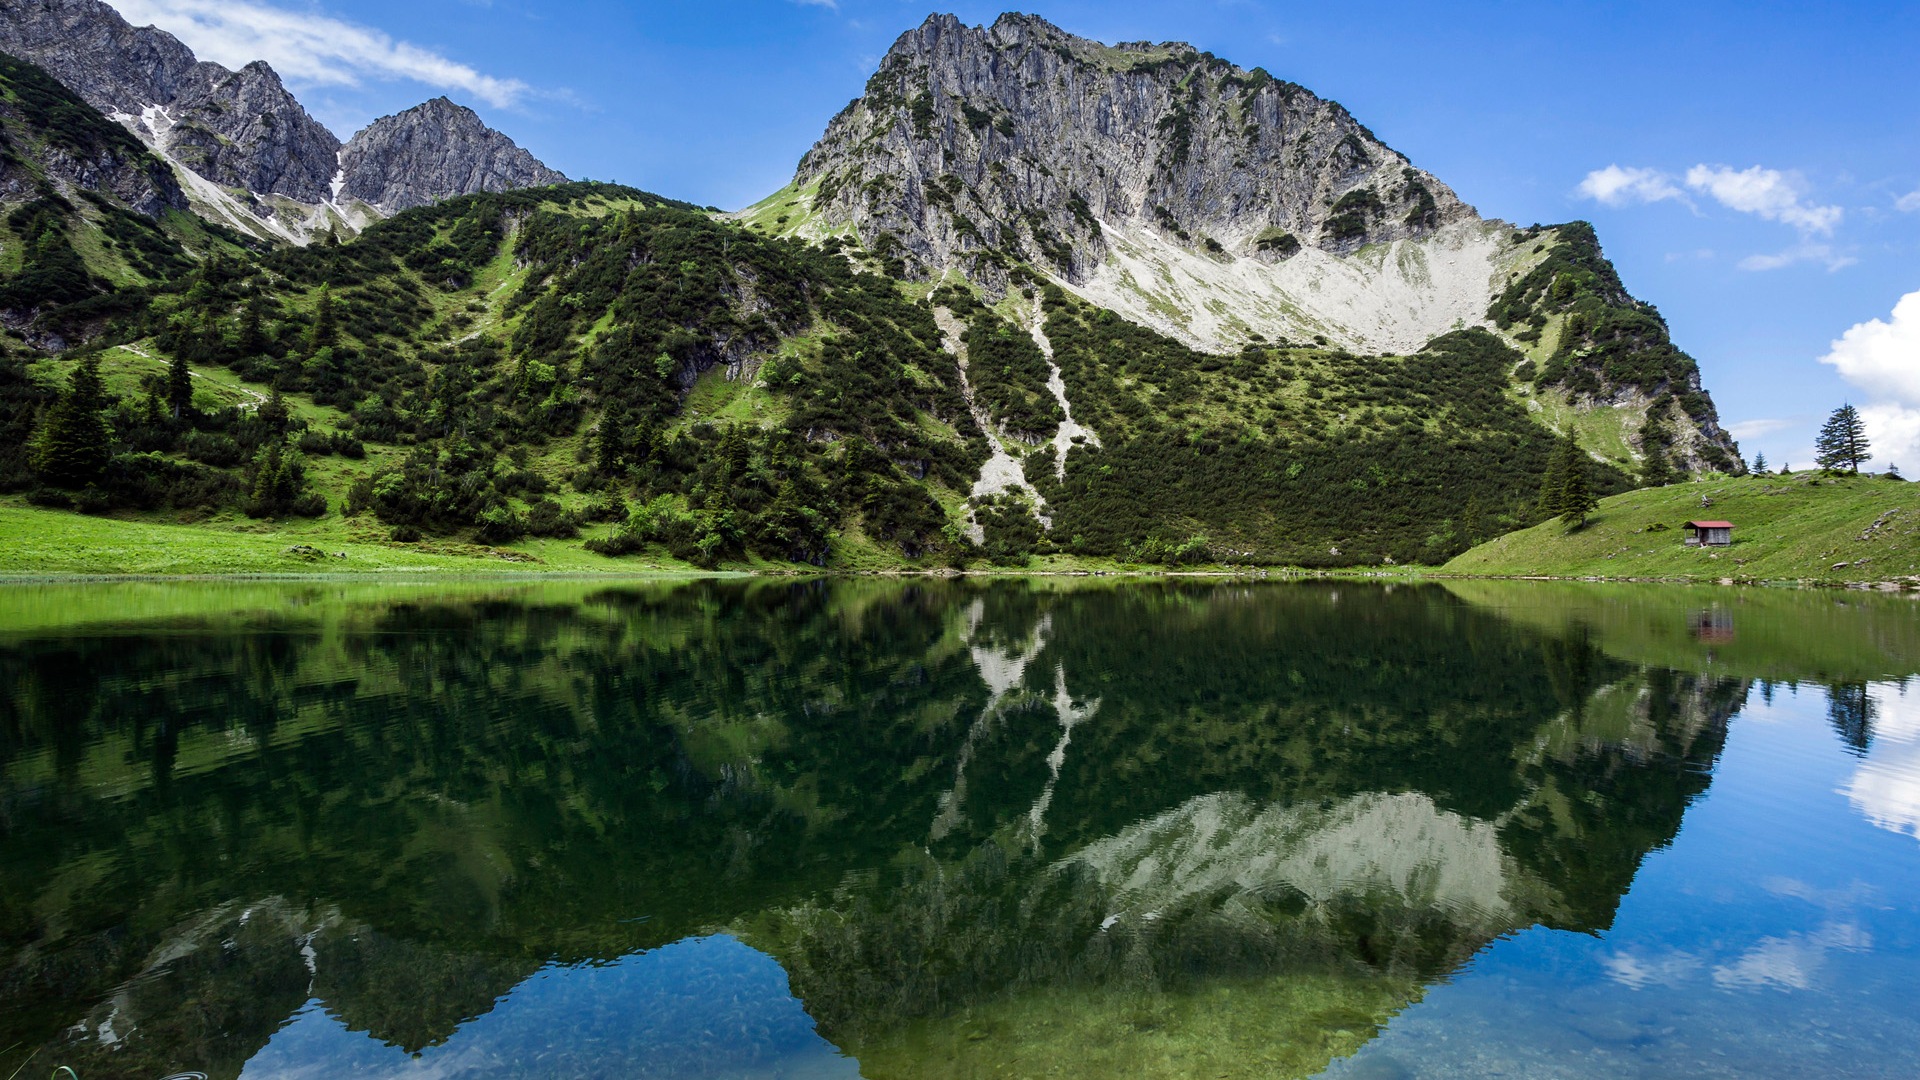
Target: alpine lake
[1076, 827]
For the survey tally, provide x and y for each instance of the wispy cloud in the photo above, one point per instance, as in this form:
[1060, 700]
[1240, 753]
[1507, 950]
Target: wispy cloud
[1768, 194]
[830, 5]
[306, 47]
[1799, 253]
[1908, 203]
[1754, 429]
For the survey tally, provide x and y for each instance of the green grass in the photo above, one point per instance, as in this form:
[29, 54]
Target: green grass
[35, 541]
[1805, 527]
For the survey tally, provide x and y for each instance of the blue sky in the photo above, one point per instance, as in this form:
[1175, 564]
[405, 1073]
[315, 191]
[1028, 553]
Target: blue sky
[1753, 169]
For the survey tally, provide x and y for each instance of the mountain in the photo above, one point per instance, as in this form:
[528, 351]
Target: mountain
[420, 156]
[1224, 207]
[989, 320]
[90, 215]
[247, 152]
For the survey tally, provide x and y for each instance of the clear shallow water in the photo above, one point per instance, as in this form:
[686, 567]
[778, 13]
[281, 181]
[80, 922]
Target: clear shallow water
[935, 829]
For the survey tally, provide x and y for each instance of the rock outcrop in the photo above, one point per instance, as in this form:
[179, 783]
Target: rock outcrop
[50, 139]
[1216, 204]
[239, 129]
[976, 145]
[429, 152]
[251, 155]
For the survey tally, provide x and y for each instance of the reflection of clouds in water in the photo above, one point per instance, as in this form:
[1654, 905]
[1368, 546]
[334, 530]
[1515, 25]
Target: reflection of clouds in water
[1637, 972]
[1789, 963]
[1885, 788]
[1897, 718]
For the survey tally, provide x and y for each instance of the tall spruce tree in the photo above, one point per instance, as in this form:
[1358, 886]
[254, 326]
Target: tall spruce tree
[179, 387]
[1577, 500]
[326, 327]
[1553, 484]
[1842, 443]
[1759, 463]
[73, 446]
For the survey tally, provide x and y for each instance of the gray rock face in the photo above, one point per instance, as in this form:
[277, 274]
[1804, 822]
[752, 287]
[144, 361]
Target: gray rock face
[48, 136]
[1022, 139]
[237, 128]
[431, 152]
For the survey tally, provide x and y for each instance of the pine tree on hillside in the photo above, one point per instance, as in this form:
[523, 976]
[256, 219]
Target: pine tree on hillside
[179, 387]
[1655, 470]
[72, 449]
[1759, 464]
[1577, 500]
[1842, 443]
[1553, 484]
[326, 329]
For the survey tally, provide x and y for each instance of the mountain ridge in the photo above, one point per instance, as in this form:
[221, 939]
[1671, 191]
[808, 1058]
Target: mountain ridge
[249, 154]
[1222, 206]
[889, 364]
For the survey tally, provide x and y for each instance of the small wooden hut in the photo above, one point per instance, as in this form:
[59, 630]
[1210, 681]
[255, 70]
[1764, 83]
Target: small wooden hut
[1709, 533]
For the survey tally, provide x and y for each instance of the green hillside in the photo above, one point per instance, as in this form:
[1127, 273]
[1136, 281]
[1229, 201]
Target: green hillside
[589, 375]
[595, 366]
[1808, 527]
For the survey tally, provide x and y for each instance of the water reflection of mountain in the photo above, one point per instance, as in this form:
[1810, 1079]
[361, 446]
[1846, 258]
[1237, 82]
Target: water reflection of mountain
[1052, 815]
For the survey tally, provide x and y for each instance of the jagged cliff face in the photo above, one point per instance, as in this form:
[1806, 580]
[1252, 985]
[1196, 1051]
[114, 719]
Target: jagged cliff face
[1218, 205]
[1026, 139]
[977, 147]
[49, 140]
[239, 129]
[248, 152]
[420, 156]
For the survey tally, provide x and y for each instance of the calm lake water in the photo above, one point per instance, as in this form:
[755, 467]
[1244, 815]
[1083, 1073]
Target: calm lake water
[958, 829]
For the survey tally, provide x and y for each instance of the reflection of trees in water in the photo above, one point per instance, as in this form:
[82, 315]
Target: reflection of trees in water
[858, 774]
[1850, 709]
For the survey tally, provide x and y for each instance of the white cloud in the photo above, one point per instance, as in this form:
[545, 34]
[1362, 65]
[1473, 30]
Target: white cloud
[1767, 193]
[310, 48]
[1908, 203]
[1883, 356]
[1754, 429]
[1617, 186]
[1894, 432]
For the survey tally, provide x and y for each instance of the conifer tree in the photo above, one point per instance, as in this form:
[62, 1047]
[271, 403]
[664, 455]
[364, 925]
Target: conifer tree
[1577, 501]
[72, 450]
[274, 415]
[326, 329]
[1655, 470]
[253, 341]
[1554, 483]
[179, 387]
[1842, 443]
[1759, 463]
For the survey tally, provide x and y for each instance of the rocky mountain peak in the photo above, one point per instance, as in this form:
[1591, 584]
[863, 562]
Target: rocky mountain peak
[976, 146]
[247, 149]
[434, 151]
[239, 129]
